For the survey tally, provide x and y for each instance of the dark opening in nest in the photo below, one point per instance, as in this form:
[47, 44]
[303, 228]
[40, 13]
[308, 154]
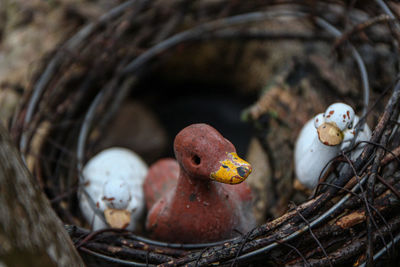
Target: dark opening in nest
[353, 219]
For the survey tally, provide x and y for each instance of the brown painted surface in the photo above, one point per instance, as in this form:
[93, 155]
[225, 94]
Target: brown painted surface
[196, 209]
[161, 178]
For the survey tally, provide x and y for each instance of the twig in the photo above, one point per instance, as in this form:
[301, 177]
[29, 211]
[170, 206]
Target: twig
[199, 256]
[72, 44]
[306, 263]
[360, 63]
[181, 246]
[376, 135]
[115, 260]
[265, 247]
[91, 235]
[387, 10]
[364, 198]
[128, 253]
[391, 188]
[313, 235]
[360, 27]
[371, 187]
[203, 30]
[394, 154]
[245, 238]
[383, 250]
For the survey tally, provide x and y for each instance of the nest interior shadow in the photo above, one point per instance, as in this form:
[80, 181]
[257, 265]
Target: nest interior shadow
[257, 72]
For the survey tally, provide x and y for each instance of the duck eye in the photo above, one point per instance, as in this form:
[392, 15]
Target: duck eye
[350, 125]
[196, 160]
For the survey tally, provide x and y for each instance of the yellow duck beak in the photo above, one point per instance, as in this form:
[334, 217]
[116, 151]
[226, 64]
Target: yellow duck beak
[233, 170]
[117, 218]
[329, 134]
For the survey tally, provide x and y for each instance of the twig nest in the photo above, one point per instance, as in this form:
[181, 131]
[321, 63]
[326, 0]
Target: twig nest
[322, 138]
[110, 192]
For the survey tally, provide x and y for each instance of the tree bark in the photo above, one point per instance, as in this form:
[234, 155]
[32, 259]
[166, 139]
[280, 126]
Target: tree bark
[31, 234]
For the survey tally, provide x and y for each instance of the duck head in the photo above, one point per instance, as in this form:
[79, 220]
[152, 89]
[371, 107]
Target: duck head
[204, 154]
[335, 125]
[117, 197]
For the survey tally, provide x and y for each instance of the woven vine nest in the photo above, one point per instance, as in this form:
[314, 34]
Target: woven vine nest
[353, 218]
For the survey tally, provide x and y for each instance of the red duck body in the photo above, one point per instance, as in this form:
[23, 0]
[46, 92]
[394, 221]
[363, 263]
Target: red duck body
[200, 197]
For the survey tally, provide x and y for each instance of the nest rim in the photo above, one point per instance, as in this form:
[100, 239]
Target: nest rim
[127, 83]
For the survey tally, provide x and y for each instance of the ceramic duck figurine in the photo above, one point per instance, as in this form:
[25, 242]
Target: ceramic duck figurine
[322, 139]
[201, 197]
[111, 193]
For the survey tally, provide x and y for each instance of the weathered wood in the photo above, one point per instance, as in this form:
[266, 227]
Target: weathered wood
[30, 232]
